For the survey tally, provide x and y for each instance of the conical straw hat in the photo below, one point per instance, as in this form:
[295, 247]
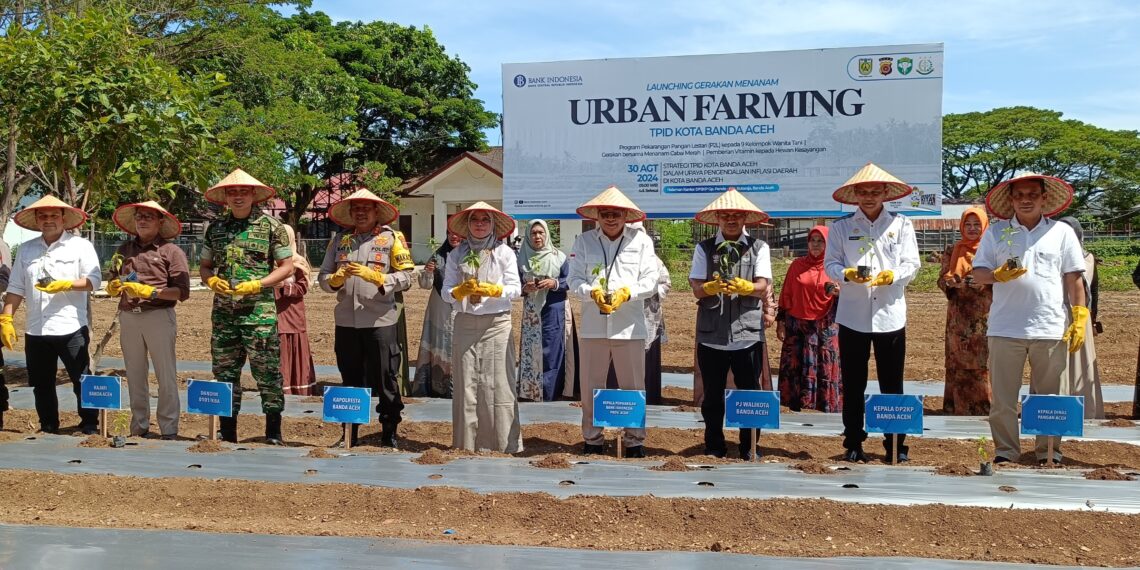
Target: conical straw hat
[72, 217]
[339, 212]
[504, 224]
[237, 178]
[124, 217]
[867, 175]
[611, 198]
[732, 201]
[1058, 195]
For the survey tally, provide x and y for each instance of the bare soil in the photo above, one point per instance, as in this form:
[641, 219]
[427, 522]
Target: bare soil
[1108, 474]
[955, 470]
[552, 461]
[672, 463]
[814, 528]
[208, 446]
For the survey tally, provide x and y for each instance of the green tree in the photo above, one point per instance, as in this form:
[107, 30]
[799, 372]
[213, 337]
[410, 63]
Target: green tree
[289, 108]
[416, 103]
[982, 149]
[95, 115]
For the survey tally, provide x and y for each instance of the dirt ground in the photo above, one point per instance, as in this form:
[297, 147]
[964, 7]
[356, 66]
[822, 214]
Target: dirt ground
[815, 528]
[1116, 348]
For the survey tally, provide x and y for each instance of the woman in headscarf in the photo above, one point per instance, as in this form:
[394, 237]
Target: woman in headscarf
[1084, 374]
[967, 314]
[810, 376]
[298, 373]
[542, 365]
[433, 367]
[480, 281]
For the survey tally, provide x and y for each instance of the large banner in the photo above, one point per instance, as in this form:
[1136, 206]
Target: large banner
[786, 128]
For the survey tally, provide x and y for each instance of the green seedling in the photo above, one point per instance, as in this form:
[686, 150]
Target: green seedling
[868, 248]
[1007, 234]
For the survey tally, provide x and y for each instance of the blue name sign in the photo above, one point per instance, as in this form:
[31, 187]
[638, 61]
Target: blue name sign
[210, 398]
[619, 408]
[757, 409]
[345, 405]
[1053, 415]
[894, 413]
[101, 392]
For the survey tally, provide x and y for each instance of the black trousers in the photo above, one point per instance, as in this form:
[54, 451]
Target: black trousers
[370, 358]
[3, 386]
[715, 364]
[854, 352]
[43, 354]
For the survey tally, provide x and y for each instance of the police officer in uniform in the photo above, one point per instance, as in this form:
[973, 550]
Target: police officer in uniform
[244, 255]
[367, 264]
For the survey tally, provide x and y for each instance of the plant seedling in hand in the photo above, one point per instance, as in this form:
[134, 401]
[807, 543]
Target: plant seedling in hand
[1014, 262]
[868, 247]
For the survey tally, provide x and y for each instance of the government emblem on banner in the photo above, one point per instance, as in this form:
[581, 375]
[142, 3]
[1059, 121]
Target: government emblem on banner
[885, 65]
[865, 66]
[905, 65]
[925, 66]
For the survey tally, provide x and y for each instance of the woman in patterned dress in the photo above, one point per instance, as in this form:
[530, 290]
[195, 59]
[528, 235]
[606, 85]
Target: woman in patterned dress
[967, 314]
[542, 362]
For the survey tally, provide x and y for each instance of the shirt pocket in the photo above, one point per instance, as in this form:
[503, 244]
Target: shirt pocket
[1046, 265]
[61, 269]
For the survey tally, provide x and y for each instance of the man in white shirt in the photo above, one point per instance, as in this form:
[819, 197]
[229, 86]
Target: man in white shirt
[876, 249]
[53, 272]
[730, 276]
[1027, 317]
[614, 267]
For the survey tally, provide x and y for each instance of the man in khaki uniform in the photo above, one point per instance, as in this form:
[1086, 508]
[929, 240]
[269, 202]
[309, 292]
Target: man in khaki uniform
[151, 275]
[366, 264]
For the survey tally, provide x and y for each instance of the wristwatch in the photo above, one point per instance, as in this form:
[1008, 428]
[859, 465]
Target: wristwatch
[154, 294]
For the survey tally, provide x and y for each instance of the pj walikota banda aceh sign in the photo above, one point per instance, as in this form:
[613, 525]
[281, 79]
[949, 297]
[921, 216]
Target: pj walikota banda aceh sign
[786, 128]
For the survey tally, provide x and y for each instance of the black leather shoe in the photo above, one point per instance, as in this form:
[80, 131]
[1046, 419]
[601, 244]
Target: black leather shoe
[717, 453]
[746, 455]
[998, 460]
[855, 456]
[903, 457]
[227, 430]
[273, 429]
[591, 449]
[49, 429]
[88, 430]
[388, 436]
[635, 452]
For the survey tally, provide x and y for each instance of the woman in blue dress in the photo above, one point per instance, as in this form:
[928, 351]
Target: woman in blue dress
[542, 362]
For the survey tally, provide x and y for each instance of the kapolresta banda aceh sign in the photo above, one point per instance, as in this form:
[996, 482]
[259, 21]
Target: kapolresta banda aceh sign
[786, 128]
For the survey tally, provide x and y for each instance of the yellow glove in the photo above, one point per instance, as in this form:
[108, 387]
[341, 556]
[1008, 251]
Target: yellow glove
[852, 274]
[714, 287]
[618, 297]
[366, 273]
[1075, 335]
[1003, 274]
[138, 290]
[219, 285]
[55, 287]
[885, 277]
[114, 287]
[7, 332]
[741, 286]
[489, 290]
[336, 280]
[252, 287]
[598, 296]
[464, 289]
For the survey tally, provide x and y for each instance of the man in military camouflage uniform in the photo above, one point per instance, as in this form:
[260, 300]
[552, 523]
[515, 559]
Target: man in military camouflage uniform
[367, 265]
[245, 254]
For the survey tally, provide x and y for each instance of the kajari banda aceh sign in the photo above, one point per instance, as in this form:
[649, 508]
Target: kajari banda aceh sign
[787, 128]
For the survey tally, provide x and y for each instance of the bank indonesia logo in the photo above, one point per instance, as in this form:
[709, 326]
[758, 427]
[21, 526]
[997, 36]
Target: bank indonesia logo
[865, 66]
[520, 80]
[905, 65]
[925, 66]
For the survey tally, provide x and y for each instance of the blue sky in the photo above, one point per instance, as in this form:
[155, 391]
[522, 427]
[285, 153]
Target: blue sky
[1080, 57]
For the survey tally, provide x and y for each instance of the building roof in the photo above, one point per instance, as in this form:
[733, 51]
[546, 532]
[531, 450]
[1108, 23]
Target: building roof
[492, 160]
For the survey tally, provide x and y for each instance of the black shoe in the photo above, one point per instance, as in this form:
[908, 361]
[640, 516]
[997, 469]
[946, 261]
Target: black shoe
[855, 456]
[273, 429]
[388, 436]
[168, 437]
[49, 429]
[591, 449]
[228, 429]
[746, 455]
[998, 460]
[1, 420]
[717, 453]
[635, 452]
[903, 457]
[88, 430]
